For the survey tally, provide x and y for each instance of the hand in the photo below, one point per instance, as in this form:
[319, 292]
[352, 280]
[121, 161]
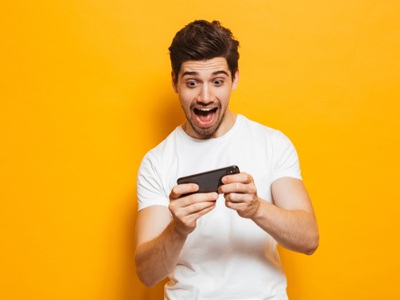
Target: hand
[240, 194]
[187, 209]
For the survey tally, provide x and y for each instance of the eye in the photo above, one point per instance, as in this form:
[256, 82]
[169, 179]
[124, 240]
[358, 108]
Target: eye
[218, 82]
[191, 83]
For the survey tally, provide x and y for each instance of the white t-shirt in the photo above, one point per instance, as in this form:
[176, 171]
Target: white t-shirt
[226, 256]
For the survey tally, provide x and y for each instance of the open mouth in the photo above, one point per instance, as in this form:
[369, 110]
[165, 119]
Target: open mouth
[205, 116]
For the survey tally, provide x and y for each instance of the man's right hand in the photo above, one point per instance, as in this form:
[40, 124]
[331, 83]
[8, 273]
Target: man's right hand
[186, 206]
[159, 240]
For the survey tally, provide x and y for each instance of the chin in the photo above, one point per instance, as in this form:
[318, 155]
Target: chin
[206, 133]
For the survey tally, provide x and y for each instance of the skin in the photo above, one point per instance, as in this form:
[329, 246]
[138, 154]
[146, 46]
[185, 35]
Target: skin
[206, 86]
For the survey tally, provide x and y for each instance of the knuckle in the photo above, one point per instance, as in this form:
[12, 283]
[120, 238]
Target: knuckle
[173, 193]
[248, 178]
[252, 189]
[196, 207]
[237, 186]
[228, 197]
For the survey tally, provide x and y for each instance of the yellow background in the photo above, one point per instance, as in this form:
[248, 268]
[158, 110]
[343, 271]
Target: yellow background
[85, 93]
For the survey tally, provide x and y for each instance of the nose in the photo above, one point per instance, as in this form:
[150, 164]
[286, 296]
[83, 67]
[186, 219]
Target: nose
[205, 95]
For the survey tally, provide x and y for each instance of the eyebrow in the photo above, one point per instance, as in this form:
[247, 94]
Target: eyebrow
[189, 73]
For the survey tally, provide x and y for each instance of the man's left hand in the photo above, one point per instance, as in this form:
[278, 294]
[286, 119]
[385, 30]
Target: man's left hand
[240, 194]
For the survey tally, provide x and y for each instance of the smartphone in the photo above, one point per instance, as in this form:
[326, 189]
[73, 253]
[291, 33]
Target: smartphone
[209, 181]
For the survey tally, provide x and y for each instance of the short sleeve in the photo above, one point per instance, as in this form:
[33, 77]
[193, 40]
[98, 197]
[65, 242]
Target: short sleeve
[150, 190]
[285, 158]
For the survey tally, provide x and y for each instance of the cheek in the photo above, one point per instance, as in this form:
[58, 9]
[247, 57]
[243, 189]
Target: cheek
[186, 100]
[187, 96]
[224, 96]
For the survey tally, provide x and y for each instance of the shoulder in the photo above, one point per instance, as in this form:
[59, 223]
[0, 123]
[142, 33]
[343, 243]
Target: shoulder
[261, 131]
[165, 146]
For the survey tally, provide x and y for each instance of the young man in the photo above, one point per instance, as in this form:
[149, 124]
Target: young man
[219, 245]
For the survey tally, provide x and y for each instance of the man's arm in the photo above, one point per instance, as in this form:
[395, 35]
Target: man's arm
[161, 232]
[157, 244]
[290, 220]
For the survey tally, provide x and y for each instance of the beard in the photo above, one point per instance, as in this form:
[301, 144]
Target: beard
[206, 132]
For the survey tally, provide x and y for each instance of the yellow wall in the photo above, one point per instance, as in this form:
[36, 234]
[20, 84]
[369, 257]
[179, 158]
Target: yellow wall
[85, 92]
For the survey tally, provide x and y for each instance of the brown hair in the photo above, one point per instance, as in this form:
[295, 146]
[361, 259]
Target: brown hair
[201, 40]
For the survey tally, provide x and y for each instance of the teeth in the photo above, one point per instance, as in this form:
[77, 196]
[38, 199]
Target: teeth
[205, 109]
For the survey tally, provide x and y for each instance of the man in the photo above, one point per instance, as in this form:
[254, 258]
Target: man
[219, 245]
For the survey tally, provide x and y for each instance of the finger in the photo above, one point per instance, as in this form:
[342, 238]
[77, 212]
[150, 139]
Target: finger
[240, 177]
[195, 202]
[183, 189]
[205, 211]
[238, 197]
[238, 187]
[244, 207]
[188, 215]
[200, 208]
[192, 203]
[188, 223]
[240, 208]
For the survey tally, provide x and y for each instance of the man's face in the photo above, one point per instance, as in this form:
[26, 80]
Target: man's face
[204, 88]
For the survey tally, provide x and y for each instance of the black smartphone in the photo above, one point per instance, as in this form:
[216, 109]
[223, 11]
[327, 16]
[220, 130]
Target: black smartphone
[209, 181]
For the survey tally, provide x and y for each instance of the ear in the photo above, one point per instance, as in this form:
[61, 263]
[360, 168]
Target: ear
[174, 81]
[235, 80]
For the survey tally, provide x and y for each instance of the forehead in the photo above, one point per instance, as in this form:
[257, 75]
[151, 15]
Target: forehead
[204, 67]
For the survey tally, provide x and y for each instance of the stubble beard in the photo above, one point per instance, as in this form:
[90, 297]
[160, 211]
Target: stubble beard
[208, 132]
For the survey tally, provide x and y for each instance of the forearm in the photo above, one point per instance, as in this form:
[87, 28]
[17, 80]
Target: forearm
[293, 229]
[157, 258]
